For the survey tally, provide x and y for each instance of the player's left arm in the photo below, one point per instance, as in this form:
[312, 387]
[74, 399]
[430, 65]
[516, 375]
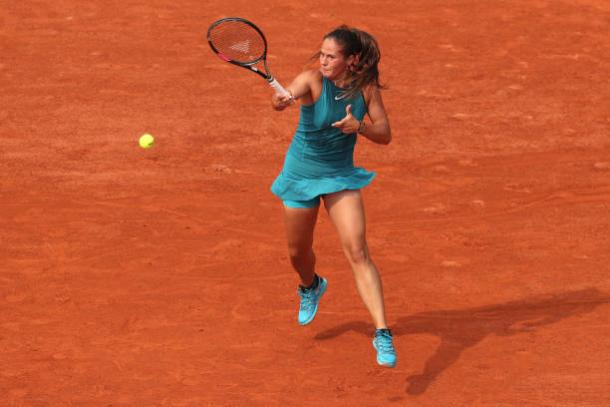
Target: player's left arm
[378, 129]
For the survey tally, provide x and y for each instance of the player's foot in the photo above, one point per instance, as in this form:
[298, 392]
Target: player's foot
[382, 342]
[310, 297]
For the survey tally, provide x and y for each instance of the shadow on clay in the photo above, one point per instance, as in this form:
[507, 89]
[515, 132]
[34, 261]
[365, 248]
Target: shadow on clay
[459, 330]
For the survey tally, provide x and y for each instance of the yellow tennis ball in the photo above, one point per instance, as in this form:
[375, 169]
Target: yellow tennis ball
[147, 140]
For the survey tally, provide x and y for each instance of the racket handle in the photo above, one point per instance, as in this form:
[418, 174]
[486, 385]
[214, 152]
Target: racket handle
[279, 89]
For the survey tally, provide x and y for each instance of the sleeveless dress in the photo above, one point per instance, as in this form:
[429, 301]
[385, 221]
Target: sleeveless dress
[320, 159]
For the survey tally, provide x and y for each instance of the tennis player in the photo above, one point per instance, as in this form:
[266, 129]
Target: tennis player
[319, 166]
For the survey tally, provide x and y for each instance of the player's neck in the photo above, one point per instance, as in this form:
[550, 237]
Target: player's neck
[341, 82]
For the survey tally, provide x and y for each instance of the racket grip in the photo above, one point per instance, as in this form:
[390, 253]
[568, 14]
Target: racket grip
[279, 89]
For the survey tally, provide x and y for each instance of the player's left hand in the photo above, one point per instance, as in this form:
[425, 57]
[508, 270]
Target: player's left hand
[349, 124]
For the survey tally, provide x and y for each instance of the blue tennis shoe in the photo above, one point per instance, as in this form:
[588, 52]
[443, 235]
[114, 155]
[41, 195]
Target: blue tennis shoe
[310, 297]
[382, 342]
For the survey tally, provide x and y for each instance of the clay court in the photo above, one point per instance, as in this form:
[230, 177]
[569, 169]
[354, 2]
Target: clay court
[160, 277]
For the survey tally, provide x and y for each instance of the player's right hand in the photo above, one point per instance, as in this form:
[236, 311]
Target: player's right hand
[281, 102]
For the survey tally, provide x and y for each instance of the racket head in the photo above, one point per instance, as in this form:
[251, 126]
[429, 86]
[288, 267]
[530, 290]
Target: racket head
[237, 40]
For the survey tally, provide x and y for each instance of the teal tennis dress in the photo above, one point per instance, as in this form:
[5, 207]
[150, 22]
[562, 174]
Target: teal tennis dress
[320, 159]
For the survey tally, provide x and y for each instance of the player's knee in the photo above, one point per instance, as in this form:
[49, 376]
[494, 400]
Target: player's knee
[356, 253]
[299, 254]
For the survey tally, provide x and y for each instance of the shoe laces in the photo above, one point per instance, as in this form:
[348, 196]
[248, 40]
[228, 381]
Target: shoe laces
[384, 342]
[308, 297]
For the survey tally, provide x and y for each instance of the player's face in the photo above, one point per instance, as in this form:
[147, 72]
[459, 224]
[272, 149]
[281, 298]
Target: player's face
[333, 63]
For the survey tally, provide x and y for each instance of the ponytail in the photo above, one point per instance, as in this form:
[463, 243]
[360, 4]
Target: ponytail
[365, 71]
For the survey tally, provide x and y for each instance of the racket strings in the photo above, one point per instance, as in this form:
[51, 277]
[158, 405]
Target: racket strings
[238, 41]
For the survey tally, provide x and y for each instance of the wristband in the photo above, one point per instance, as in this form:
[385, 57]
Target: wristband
[361, 126]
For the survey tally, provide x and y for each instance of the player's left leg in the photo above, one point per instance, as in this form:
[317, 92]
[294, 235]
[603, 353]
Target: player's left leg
[346, 210]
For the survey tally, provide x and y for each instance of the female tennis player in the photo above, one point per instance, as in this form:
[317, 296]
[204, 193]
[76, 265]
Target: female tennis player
[319, 165]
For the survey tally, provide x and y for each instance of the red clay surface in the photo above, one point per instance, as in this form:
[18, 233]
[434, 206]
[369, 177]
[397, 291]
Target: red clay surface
[133, 277]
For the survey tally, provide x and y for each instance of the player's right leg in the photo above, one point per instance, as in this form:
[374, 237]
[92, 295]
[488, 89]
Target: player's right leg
[300, 221]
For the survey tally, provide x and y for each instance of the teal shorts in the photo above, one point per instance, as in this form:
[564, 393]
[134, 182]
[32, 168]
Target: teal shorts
[311, 203]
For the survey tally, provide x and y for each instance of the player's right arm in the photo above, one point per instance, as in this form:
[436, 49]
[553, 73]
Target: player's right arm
[300, 88]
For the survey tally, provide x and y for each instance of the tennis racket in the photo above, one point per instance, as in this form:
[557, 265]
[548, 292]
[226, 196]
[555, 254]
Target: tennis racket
[242, 43]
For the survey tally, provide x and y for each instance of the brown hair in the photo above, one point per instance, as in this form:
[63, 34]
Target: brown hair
[364, 46]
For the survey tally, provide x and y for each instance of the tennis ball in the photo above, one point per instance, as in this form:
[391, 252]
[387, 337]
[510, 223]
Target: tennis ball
[147, 141]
